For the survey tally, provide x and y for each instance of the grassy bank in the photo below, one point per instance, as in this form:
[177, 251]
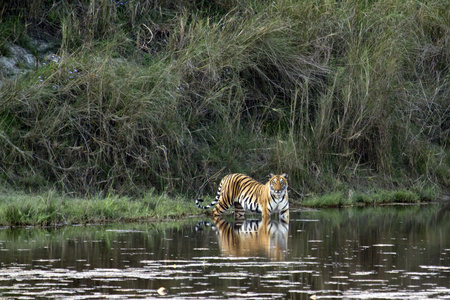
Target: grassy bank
[52, 209]
[372, 198]
[136, 96]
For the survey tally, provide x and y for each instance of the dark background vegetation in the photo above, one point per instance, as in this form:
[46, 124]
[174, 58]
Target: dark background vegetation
[173, 95]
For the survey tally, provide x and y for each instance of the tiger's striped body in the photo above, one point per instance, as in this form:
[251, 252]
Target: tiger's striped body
[246, 194]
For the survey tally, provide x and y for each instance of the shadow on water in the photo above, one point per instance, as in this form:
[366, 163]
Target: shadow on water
[396, 252]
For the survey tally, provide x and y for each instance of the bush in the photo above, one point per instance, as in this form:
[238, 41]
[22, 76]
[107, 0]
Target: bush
[174, 97]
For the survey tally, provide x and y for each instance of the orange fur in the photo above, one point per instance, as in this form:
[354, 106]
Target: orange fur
[246, 194]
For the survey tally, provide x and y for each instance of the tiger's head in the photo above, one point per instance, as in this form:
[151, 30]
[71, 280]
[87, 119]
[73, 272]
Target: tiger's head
[278, 185]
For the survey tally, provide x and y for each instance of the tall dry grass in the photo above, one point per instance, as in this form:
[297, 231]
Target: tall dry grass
[175, 95]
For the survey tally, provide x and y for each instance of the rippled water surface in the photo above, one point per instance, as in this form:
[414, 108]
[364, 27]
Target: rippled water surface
[371, 253]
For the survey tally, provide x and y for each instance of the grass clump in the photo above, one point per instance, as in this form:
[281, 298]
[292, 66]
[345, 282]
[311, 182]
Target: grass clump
[54, 210]
[383, 197]
[329, 200]
[372, 198]
[174, 95]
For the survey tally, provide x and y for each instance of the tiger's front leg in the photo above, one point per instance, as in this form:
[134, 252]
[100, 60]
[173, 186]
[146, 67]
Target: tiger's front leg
[284, 216]
[239, 213]
[284, 210]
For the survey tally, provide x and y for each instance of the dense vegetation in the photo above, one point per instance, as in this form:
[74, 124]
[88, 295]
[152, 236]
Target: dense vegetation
[172, 95]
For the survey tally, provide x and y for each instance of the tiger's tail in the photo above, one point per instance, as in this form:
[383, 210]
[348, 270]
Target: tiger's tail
[199, 200]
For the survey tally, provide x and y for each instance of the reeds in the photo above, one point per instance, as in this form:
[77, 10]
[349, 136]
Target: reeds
[174, 96]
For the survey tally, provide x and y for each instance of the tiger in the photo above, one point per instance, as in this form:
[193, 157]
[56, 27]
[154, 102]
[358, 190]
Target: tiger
[247, 194]
[251, 237]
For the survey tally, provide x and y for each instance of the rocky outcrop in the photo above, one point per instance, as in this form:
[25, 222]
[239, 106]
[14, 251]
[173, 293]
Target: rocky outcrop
[21, 60]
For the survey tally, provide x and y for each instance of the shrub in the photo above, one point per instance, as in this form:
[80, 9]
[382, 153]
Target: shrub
[175, 96]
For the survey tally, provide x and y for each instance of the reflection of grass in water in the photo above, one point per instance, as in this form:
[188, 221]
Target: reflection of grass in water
[410, 218]
[53, 209]
[34, 238]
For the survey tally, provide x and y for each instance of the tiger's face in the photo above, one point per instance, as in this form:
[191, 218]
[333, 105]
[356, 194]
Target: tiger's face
[278, 185]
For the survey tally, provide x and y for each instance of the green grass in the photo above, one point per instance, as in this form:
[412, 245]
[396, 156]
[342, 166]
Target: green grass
[372, 198]
[51, 209]
[173, 96]
[388, 197]
[331, 200]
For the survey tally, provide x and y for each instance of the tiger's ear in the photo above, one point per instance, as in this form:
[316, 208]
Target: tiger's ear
[271, 175]
[285, 175]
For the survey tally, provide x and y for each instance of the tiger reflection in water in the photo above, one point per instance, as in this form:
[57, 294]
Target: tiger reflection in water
[264, 237]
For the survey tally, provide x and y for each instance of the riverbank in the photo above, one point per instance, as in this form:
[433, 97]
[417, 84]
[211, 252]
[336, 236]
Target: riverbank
[53, 209]
[116, 98]
[373, 198]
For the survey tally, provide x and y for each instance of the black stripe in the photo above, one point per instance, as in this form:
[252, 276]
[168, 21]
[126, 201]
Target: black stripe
[270, 205]
[222, 206]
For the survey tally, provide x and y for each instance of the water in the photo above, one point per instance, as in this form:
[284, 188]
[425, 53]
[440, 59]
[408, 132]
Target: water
[371, 253]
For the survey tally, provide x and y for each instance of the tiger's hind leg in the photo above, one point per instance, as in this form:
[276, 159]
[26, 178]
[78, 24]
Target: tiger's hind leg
[221, 206]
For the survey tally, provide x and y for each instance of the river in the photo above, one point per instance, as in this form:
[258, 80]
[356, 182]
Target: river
[391, 252]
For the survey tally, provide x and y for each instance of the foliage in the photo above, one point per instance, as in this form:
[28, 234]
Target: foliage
[52, 209]
[174, 95]
[372, 198]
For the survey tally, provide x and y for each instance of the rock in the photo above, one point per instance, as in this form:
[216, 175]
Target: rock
[19, 61]
[22, 56]
[42, 46]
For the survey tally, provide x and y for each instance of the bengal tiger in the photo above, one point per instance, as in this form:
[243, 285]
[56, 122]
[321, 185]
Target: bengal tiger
[246, 194]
